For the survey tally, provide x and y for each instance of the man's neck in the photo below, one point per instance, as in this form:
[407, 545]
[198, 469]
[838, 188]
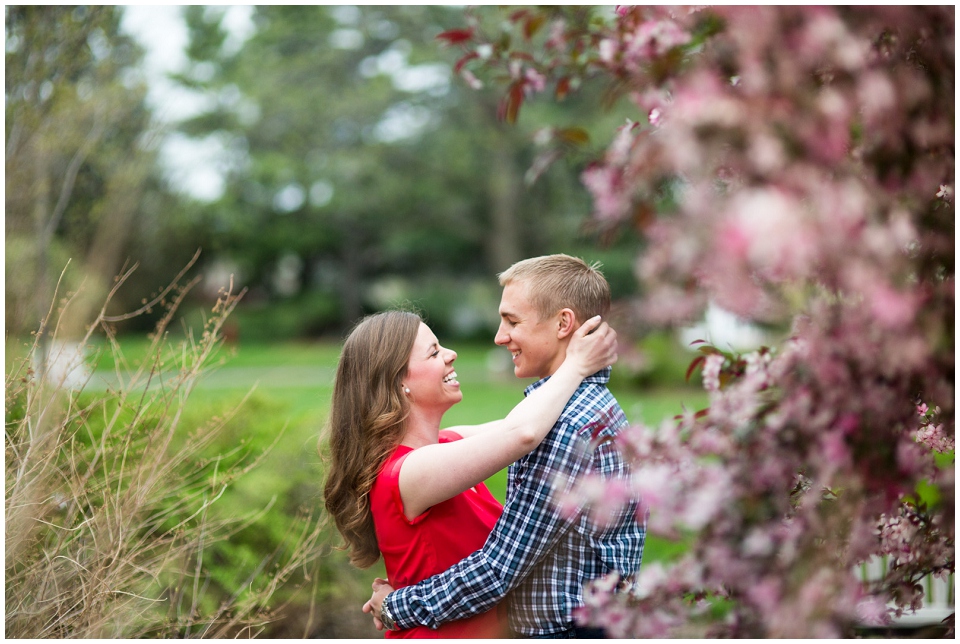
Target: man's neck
[557, 361]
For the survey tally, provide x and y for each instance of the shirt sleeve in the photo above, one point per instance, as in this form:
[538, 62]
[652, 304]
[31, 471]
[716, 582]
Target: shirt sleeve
[528, 528]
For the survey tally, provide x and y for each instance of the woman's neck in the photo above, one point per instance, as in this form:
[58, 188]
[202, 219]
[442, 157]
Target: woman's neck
[423, 428]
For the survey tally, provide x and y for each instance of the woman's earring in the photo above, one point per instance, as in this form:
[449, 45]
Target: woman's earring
[406, 390]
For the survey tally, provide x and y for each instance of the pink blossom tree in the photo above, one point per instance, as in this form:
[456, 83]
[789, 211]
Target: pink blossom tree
[795, 166]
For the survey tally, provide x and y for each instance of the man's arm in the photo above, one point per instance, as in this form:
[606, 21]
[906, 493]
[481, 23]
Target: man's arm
[528, 528]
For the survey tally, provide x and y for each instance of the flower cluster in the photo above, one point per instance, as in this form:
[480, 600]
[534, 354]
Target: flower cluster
[653, 39]
[795, 166]
[931, 433]
[711, 372]
[916, 545]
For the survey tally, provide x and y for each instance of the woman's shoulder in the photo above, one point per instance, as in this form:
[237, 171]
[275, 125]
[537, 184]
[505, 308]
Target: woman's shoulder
[448, 436]
[390, 470]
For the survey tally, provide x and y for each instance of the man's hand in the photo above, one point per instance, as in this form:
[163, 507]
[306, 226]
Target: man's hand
[381, 588]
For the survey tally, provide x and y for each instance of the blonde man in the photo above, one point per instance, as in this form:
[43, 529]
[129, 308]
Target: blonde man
[537, 558]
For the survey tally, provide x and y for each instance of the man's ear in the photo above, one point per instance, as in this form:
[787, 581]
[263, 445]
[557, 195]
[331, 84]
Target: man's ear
[566, 323]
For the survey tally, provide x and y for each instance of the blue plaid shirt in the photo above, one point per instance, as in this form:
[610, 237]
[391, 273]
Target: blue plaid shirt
[535, 557]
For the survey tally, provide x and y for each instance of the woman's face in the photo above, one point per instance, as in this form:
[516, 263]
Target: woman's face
[430, 376]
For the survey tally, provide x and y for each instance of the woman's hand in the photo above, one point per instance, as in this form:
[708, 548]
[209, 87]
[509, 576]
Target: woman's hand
[381, 588]
[592, 347]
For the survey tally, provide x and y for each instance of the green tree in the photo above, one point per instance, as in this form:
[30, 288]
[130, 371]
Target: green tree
[348, 168]
[79, 153]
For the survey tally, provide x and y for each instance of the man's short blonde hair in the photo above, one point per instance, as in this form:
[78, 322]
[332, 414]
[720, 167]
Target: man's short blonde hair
[559, 281]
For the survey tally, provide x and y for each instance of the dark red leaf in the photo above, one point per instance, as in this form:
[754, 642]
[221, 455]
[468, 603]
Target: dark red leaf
[643, 216]
[517, 15]
[533, 24]
[463, 61]
[699, 414]
[693, 365]
[563, 88]
[456, 36]
[521, 55]
[575, 135]
[510, 105]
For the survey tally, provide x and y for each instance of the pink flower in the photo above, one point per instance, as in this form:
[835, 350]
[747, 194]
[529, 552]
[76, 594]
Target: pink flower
[935, 438]
[617, 619]
[608, 50]
[603, 182]
[848, 423]
[655, 38]
[893, 309]
[876, 95]
[711, 372]
[535, 80]
[765, 594]
[758, 544]
[558, 31]
[780, 242]
[656, 485]
[835, 449]
[652, 576]
[767, 153]
[471, 80]
[945, 192]
[650, 98]
[912, 460]
[618, 154]
[733, 240]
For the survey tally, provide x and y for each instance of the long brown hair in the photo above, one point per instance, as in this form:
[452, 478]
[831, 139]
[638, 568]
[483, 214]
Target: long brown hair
[367, 418]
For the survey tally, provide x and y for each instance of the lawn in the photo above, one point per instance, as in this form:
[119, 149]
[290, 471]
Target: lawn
[291, 385]
[281, 395]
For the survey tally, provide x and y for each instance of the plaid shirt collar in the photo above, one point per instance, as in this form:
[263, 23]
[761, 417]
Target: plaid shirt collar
[601, 377]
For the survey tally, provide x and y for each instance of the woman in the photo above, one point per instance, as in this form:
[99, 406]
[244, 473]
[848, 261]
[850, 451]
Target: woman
[401, 486]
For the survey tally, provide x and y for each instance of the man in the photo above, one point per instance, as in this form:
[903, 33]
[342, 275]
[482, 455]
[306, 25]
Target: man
[537, 558]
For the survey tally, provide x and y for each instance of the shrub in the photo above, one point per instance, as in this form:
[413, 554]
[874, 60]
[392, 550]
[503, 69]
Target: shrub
[111, 498]
[794, 166]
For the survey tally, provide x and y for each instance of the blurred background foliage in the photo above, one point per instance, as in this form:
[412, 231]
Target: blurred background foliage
[359, 173]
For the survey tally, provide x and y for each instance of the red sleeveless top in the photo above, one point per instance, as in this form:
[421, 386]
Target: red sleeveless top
[433, 541]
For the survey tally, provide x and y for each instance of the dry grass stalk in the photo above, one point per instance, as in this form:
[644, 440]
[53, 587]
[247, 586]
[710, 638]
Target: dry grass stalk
[107, 501]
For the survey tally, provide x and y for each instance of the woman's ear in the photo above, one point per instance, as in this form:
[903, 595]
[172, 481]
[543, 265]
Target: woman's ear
[566, 323]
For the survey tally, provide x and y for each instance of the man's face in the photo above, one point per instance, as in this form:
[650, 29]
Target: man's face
[535, 345]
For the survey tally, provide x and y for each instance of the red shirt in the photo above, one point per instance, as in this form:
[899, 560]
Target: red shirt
[433, 541]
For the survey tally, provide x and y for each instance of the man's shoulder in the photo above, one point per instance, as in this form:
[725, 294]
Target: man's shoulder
[593, 410]
[591, 398]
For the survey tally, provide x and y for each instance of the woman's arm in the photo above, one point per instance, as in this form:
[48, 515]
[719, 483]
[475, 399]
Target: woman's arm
[436, 473]
[466, 431]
